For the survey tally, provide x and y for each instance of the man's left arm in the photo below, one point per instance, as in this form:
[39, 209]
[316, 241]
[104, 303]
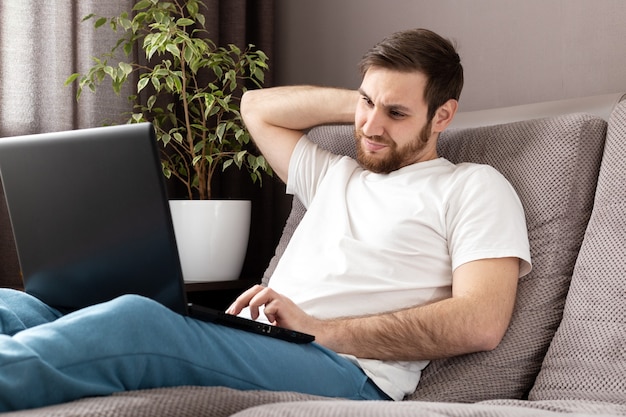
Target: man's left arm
[474, 319]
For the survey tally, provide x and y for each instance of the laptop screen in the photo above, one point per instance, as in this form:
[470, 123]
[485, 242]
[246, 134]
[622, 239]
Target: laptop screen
[90, 216]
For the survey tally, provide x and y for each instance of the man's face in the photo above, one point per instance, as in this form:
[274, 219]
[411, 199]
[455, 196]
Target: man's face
[391, 126]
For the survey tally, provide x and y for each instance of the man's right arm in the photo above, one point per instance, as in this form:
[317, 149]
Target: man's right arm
[277, 117]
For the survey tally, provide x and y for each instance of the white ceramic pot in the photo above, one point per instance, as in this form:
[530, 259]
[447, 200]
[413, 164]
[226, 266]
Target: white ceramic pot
[212, 237]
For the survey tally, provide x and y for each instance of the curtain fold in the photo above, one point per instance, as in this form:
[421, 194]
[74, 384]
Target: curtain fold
[42, 43]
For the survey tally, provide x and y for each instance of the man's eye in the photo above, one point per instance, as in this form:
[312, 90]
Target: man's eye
[368, 101]
[396, 114]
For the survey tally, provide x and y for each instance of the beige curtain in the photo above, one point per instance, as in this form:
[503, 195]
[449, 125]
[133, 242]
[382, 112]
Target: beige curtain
[43, 42]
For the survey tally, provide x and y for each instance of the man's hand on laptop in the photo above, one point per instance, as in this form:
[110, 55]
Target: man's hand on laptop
[278, 309]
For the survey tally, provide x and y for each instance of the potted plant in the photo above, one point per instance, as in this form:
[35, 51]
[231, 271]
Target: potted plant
[189, 89]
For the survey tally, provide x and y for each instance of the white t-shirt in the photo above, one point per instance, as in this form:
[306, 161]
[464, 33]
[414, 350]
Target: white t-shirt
[372, 243]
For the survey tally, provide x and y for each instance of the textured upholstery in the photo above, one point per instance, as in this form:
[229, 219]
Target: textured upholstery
[587, 358]
[433, 409]
[177, 401]
[553, 164]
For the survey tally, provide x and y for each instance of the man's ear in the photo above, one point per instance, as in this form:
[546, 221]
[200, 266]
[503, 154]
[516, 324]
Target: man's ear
[444, 115]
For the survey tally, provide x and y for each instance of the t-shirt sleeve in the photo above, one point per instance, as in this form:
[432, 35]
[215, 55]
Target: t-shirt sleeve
[486, 220]
[308, 165]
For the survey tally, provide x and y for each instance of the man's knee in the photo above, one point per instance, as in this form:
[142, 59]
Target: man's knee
[131, 303]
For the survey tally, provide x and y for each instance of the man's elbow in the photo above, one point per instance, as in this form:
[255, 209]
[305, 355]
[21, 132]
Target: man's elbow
[246, 106]
[489, 336]
[251, 110]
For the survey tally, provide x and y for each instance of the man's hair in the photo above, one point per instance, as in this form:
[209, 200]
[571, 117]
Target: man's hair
[423, 51]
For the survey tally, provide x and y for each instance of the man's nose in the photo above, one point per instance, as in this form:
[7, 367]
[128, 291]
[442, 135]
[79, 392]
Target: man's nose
[374, 125]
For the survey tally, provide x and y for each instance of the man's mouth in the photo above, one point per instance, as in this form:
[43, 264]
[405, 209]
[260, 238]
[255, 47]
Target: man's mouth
[372, 145]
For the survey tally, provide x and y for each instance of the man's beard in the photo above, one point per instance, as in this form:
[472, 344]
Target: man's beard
[396, 158]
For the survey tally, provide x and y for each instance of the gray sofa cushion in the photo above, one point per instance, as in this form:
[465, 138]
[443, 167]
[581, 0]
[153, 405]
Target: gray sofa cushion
[178, 401]
[587, 358]
[553, 164]
[432, 409]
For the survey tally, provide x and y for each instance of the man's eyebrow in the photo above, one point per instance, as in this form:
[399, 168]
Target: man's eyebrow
[391, 107]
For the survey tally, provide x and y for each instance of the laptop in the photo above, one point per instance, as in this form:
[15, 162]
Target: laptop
[91, 222]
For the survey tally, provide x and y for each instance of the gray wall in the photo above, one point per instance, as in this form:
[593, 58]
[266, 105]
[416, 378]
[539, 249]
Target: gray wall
[513, 51]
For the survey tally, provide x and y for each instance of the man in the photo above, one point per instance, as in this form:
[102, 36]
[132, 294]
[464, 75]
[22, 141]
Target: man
[420, 255]
[402, 257]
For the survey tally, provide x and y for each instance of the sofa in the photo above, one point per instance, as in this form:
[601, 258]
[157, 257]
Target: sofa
[565, 349]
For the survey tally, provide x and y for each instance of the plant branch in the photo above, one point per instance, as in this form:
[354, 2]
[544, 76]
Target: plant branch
[201, 119]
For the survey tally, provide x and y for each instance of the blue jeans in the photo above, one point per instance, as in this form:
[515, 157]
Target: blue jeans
[135, 343]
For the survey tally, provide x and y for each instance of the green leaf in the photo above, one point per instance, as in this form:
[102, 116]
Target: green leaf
[156, 83]
[219, 132]
[142, 4]
[126, 23]
[192, 7]
[189, 53]
[235, 49]
[232, 76]
[160, 72]
[226, 164]
[71, 79]
[126, 68]
[128, 48]
[151, 101]
[214, 110]
[259, 74]
[183, 21]
[179, 84]
[110, 71]
[101, 21]
[121, 75]
[169, 81]
[142, 83]
[173, 49]
[117, 86]
[239, 157]
[198, 147]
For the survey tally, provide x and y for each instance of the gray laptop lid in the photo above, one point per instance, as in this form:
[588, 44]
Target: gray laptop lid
[90, 216]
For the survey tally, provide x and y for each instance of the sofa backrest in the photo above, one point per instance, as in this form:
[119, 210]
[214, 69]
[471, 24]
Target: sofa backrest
[553, 164]
[587, 357]
[600, 105]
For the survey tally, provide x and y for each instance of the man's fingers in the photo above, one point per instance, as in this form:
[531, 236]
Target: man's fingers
[244, 300]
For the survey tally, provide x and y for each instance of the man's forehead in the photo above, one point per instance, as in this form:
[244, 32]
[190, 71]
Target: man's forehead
[394, 88]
